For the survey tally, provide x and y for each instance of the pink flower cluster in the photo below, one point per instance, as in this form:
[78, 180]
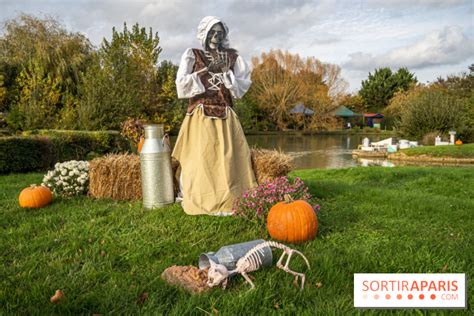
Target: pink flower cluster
[256, 203]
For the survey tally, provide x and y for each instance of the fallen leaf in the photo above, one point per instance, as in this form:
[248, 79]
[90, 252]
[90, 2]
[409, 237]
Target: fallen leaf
[319, 285]
[57, 297]
[143, 297]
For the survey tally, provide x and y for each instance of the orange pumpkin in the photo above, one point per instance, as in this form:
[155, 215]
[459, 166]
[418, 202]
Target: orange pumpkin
[140, 144]
[292, 221]
[458, 142]
[35, 197]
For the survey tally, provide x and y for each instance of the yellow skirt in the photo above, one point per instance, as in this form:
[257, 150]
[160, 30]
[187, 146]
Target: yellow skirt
[215, 163]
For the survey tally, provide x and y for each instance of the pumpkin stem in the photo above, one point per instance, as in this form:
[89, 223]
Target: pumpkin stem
[288, 198]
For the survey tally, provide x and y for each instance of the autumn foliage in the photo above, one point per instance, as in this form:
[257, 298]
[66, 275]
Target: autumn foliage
[280, 80]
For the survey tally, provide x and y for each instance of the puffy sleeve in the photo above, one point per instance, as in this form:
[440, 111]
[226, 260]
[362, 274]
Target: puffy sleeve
[238, 81]
[188, 83]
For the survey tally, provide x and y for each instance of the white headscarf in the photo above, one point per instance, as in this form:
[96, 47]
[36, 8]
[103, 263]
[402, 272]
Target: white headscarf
[205, 26]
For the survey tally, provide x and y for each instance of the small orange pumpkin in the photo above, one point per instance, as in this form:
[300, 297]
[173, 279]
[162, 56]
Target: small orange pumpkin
[140, 144]
[458, 142]
[292, 221]
[35, 196]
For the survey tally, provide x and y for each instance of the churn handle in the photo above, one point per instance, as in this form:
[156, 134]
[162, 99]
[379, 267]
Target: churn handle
[166, 140]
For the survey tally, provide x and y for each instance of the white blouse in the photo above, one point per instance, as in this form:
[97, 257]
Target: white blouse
[188, 83]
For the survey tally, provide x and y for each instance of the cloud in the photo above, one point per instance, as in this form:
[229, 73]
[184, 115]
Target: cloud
[411, 3]
[448, 46]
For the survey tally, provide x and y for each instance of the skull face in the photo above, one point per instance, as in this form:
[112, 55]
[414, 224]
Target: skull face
[216, 36]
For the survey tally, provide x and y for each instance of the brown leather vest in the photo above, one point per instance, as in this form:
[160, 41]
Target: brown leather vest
[217, 97]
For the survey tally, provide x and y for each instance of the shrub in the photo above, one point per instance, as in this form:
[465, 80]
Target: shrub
[83, 145]
[68, 178]
[24, 154]
[432, 110]
[254, 204]
[467, 135]
[429, 138]
[40, 149]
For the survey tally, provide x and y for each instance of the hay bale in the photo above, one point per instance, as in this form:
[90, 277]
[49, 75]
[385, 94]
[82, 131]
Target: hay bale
[190, 278]
[270, 164]
[116, 177]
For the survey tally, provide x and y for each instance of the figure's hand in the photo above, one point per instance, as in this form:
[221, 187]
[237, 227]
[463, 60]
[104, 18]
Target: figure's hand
[216, 66]
[219, 65]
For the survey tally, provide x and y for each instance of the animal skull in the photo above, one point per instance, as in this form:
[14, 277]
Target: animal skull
[217, 274]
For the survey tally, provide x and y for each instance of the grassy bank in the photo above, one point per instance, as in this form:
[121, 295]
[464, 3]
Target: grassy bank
[104, 255]
[463, 151]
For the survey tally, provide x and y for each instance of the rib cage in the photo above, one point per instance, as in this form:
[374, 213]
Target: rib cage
[253, 258]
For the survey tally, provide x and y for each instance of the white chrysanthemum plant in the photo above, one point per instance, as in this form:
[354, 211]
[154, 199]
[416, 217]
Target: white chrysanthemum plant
[68, 178]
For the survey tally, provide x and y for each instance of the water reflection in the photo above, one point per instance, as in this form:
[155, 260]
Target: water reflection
[323, 151]
[364, 162]
[313, 151]
[392, 163]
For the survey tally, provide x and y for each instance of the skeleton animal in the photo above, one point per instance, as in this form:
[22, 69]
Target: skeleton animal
[252, 261]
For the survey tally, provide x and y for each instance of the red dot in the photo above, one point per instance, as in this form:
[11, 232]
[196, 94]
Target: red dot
[433, 296]
[410, 296]
[422, 296]
[376, 296]
[387, 296]
[399, 296]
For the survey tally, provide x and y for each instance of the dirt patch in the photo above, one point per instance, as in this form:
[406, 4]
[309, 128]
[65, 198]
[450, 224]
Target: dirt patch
[191, 278]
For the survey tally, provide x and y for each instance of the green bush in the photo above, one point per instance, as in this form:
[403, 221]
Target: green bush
[466, 135]
[23, 154]
[432, 110]
[41, 149]
[78, 145]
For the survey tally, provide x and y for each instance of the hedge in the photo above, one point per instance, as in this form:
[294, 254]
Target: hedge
[23, 154]
[41, 149]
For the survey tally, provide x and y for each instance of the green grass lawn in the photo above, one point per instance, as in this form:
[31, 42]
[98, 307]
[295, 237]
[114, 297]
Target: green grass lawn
[455, 151]
[104, 255]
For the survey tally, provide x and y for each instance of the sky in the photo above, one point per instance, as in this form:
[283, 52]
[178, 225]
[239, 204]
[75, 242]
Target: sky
[432, 38]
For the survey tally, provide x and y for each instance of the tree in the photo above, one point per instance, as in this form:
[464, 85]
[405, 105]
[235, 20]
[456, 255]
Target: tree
[172, 109]
[462, 86]
[353, 102]
[379, 88]
[3, 91]
[432, 109]
[40, 94]
[40, 56]
[123, 80]
[281, 80]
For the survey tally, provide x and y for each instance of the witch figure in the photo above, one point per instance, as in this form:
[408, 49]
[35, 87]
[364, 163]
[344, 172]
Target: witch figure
[211, 147]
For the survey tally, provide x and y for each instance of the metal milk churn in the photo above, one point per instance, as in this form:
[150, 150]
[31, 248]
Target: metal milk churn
[229, 255]
[156, 171]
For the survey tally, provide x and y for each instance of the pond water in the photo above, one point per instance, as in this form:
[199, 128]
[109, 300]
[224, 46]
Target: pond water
[315, 151]
[324, 151]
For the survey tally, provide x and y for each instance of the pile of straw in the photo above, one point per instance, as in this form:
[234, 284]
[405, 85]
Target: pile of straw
[270, 164]
[118, 176]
